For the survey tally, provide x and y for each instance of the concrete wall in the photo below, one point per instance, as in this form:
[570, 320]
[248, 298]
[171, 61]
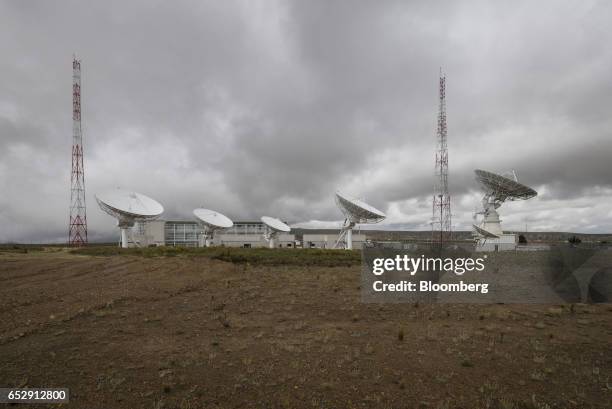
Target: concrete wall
[285, 240]
[155, 229]
[252, 240]
[153, 235]
[239, 240]
[321, 241]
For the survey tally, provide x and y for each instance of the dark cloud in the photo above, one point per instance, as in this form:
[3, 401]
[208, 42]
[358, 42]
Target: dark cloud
[268, 107]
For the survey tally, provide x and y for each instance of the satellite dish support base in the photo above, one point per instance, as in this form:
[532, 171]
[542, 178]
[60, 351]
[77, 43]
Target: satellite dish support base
[124, 237]
[270, 237]
[206, 237]
[345, 238]
[349, 239]
[125, 224]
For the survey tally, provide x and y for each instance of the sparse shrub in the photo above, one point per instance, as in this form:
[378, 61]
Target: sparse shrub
[466, 363]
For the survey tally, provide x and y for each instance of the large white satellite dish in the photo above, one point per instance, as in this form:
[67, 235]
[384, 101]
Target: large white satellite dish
[497, 189]
[128, 207]
[211, 221]
[503, 187]
[273, 227]
[355, 212]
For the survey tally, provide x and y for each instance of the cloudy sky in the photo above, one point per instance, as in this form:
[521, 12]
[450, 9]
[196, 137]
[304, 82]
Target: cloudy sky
[267, 107]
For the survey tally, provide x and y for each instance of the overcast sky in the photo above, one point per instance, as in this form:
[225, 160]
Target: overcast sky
[267, 107]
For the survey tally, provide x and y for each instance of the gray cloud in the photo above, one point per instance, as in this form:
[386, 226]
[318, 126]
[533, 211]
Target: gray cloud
[267, 107]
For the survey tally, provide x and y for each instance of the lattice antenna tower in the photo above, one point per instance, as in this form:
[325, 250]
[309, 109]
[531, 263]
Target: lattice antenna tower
[441, 227]
[77, 230]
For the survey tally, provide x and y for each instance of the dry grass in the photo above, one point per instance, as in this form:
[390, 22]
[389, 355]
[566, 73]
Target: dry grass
[191, 331]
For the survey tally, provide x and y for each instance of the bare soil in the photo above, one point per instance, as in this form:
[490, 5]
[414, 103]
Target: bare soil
[194, 332]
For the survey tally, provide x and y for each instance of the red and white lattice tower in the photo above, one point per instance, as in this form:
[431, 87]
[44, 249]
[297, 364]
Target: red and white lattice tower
[77, 232]
[441, 227]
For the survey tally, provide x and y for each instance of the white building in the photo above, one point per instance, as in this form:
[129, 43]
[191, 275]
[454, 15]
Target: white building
[505, 242]
[186, 234]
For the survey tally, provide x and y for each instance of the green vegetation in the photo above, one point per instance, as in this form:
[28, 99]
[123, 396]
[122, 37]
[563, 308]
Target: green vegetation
[19, 248]
[256, 256]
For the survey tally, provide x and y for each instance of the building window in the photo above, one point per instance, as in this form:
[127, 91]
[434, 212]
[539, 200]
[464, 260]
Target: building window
[183, 234]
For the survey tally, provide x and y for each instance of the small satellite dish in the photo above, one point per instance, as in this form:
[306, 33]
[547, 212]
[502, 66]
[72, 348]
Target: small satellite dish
[211, 221]
[484, 233]
[497, 189]
[273, 227]
[128, 207]
[355, 212]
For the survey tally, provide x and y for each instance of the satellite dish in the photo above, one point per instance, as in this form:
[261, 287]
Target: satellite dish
[211, 221]
[355, 212]
[504, 187]
[497, 189]
[128, 207]
[273, 227]
[484, 233]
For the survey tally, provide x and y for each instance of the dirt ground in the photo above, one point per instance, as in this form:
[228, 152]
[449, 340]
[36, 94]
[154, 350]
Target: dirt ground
[193, 332]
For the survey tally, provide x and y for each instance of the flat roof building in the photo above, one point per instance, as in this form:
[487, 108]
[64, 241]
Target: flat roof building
[186, 233]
